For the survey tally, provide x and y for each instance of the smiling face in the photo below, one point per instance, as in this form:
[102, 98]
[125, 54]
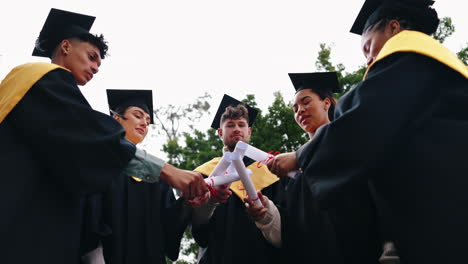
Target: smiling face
[310, 112]
[374, 38]
[81, 58]
[135, 122]
[233, 131]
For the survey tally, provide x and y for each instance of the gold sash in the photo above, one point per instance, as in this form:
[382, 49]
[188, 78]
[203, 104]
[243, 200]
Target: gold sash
[18, 82]
[417, 42]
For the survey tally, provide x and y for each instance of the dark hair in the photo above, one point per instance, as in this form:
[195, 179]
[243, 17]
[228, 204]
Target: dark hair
[97, 41]
[423, 19]
[120, 111]
[322, 94]
[51, 45]
[235, 112]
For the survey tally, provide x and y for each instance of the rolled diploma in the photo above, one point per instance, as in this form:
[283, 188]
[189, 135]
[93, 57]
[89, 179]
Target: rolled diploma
[222, 165]
[224, 179]
[220, 169]
[246, 181]
[240, 148]
[259, 155]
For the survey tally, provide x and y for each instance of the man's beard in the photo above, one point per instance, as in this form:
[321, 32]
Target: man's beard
[232, 147]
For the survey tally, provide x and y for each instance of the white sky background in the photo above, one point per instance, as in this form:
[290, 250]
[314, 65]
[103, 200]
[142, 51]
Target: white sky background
[183, 48]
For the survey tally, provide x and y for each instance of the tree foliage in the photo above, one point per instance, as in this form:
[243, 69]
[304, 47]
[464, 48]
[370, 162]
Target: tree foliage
[346, 79]
[463, 54]
[445, 29]
[277, 130]
[171, 117]
[173, 121]
[197, 148]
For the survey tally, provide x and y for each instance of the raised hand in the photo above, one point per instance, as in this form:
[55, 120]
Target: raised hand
[254, 212]
[283, 163]
[189, 182]
[222, 194]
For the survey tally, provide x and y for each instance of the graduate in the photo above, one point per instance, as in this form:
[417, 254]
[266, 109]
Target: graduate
[346, 233]
[56, 149]
[402, 130]
[135, 221]
[221, 225]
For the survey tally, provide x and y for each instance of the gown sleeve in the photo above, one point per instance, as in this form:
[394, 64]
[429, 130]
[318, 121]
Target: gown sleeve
[144, 166]
[80, 147]
[370, 125]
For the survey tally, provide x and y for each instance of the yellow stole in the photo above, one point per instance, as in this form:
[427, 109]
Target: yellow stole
[261, 177]
[18, 82]
[417, 42]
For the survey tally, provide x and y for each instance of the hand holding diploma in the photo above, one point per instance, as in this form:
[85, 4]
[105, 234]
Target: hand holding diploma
[189, 182]
[222, 194]
[286, 165]
[243, 174]
[217, 181]
[226, 179]
[255, 212]
[283, 164]
[222, 165]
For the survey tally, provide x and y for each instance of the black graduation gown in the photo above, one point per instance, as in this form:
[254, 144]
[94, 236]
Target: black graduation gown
[231, 237]
[54, 150]
[404, 129]
[346, 233]
[146, 222]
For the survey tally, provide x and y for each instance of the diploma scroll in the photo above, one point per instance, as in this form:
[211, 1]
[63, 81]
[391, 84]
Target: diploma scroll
[241, 148]
[224, 179]
[257, 155]
[246, 181]
[222, 165]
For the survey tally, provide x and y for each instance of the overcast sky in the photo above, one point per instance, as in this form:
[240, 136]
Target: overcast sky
[183, 48]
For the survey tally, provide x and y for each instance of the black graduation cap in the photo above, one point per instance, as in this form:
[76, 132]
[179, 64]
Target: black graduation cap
[324, 81]
[229, 101]
[119, 98]
[60, 25]
[417, 11]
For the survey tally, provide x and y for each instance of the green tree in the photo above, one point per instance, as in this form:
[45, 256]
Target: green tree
[445, 29]
[277, 130]
[171, 117]
[346, 79]
[199, 147]
[169, 120]
[463, 54]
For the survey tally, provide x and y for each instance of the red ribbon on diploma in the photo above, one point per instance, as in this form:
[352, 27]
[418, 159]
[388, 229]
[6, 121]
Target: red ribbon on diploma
[270, 157]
